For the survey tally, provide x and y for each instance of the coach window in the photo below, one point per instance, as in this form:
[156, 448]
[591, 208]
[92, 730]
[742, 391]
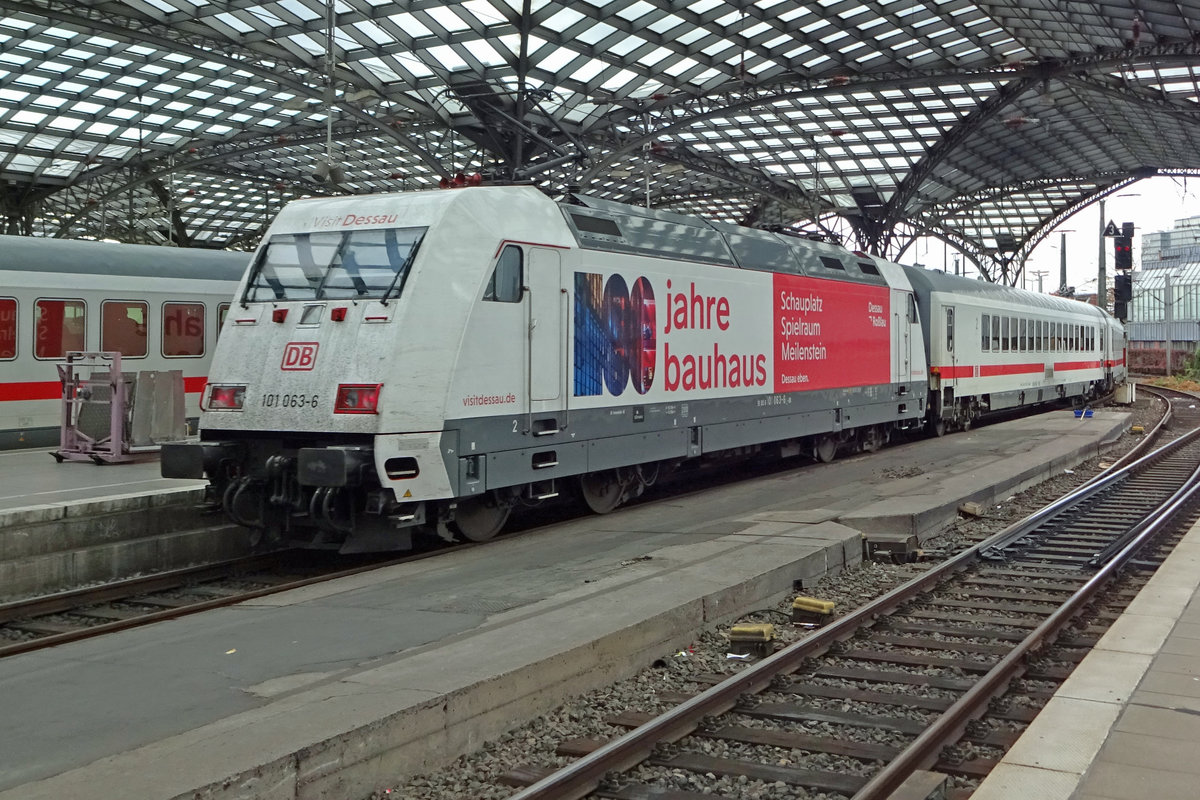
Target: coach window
[950, 330]
[996, 333]
[222, 312]
[1004, 333]
[8, 328]
[183, 329]
[986, 329]
[123, 327]
[1024, 336]
[58, 327]
[505, 283]
[1037, 336]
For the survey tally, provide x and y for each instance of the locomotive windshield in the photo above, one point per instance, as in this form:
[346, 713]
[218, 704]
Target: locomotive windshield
[334, 265]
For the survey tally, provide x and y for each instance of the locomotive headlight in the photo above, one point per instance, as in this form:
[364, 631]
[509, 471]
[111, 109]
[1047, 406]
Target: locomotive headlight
[357, 398]
[226, 397]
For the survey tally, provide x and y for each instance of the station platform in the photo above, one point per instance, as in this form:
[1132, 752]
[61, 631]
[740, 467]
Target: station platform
[30, 478]
[339, 688]
[1126, 724]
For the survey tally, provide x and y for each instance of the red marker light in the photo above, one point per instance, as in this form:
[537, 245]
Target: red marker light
[357, 398]
[226, 398]
[338, 314]
[279, 315]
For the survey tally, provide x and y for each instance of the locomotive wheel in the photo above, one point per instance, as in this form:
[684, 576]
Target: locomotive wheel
[601, 491]
[826, 449]
[480, 518]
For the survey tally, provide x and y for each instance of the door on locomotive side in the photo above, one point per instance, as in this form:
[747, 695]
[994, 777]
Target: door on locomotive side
[904, 316]
[546, 348]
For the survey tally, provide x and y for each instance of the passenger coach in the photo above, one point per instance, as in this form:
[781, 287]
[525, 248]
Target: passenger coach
[160, 307]
[995, 347]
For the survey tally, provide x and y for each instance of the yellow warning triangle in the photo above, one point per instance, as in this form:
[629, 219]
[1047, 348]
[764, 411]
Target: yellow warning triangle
[407, 493]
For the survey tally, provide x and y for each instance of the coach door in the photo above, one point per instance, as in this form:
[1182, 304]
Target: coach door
[951, 353]
[545, 325]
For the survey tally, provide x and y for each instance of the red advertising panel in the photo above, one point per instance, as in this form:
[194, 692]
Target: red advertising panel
[830, 334]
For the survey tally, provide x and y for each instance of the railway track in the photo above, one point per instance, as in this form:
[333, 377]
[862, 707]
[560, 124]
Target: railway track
[49, 620]
[930, 683]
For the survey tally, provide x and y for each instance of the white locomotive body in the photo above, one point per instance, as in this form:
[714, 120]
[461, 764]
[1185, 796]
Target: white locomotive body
[431, 360]
[161, 307]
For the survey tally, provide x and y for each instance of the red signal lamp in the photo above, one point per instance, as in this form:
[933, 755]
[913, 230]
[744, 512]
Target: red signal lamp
[226, 398]
[357, 398]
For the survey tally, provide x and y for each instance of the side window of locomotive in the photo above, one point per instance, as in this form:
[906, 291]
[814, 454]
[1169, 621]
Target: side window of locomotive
[505, 284]
[123, 327]
[912, 305]
[58, 327]
[950, 330]
[222, 313]
[8, 328]
[182, 329]
[986, 329]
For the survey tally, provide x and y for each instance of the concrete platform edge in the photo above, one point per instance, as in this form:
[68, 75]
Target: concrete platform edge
[931, 520]
[1054, 755]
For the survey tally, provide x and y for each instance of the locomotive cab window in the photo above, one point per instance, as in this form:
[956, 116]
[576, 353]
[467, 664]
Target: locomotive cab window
[505, 284]
[58, 327]
[182, 329]
[334, 265]
[8, 328]
[123, 327]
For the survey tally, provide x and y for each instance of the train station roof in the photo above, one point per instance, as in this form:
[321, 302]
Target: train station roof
[876, 121]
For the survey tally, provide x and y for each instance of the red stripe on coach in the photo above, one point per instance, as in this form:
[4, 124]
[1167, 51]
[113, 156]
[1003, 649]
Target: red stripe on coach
[30, 390]
[52, 390]
[990, 370]
[1064, 366]
[956, 372]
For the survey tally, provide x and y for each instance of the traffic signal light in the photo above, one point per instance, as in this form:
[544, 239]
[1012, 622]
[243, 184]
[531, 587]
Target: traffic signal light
[1123, 288]
[1123, 249]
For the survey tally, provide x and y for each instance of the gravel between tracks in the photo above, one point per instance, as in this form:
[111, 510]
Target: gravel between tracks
[474, 775]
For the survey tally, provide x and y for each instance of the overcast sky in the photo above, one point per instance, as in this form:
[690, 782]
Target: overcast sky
[1152, 204]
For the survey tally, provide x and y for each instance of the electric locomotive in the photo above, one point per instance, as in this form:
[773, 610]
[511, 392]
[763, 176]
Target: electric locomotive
[426, 362]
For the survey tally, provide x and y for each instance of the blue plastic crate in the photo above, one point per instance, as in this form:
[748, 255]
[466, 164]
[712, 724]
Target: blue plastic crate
[1083, 413]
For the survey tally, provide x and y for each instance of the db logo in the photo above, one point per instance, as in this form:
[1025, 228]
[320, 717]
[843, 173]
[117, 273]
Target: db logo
[299, 356]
